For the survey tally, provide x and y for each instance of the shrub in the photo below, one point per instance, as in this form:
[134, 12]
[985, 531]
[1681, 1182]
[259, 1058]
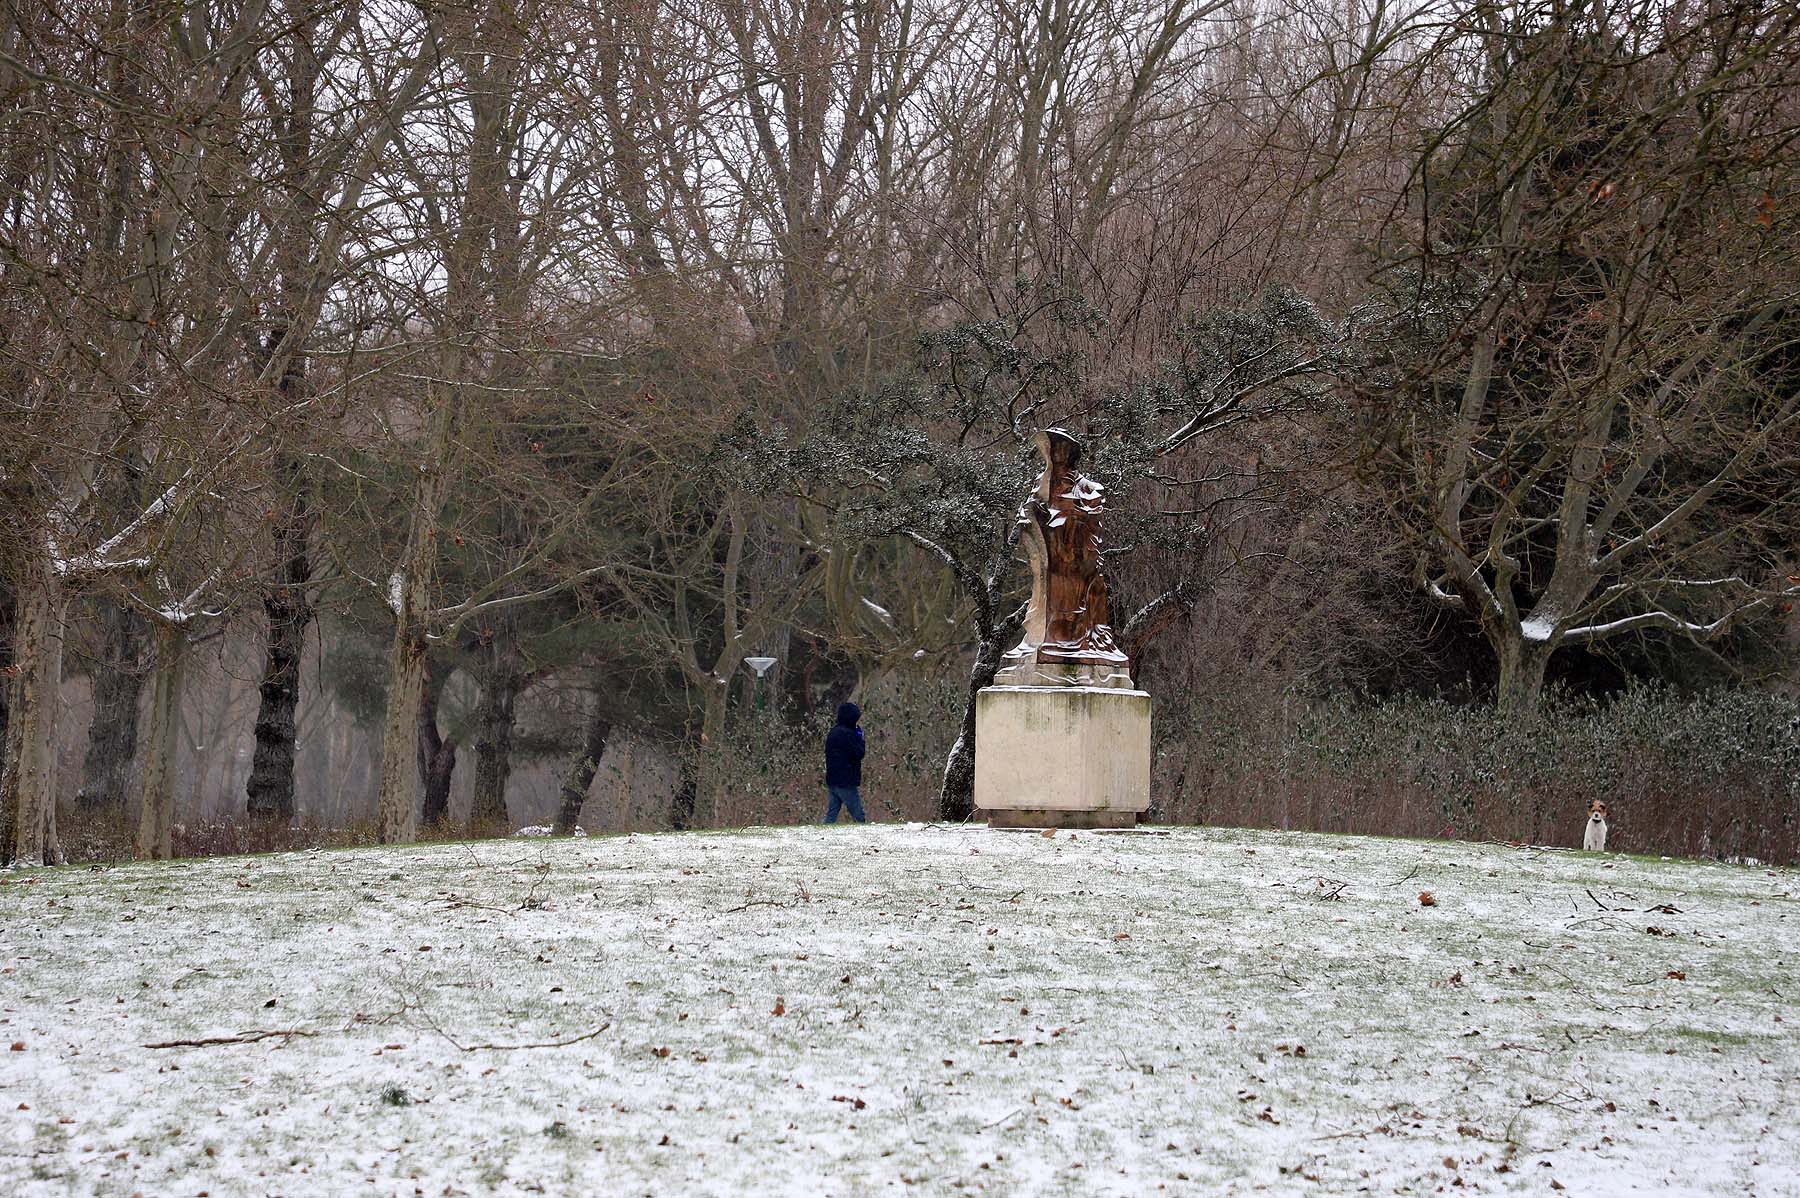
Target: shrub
[1714, 773]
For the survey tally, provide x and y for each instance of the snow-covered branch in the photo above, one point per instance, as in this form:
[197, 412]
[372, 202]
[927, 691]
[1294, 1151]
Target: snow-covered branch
[1662, 619]
[105, 558]
[1655, 619]
[1434, 587]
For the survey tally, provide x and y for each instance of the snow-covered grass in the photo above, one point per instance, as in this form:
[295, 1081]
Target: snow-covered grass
[875, 1010]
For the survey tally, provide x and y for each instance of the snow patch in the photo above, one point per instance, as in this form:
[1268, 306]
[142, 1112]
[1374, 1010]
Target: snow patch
[881, 613]
[1206, 1012]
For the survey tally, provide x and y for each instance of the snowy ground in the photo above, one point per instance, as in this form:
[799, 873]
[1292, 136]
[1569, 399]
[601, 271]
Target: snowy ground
[890, 1010]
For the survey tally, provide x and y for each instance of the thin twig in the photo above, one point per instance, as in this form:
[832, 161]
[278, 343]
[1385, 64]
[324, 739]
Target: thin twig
[461, 1047]
[538, 1044]
[758, 903]
[250, 1037]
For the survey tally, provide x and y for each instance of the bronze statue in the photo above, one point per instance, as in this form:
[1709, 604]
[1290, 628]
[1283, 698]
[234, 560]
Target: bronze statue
[1068, 640]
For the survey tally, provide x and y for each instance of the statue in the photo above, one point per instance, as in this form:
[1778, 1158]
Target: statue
[1068, 640]
[1062, 737]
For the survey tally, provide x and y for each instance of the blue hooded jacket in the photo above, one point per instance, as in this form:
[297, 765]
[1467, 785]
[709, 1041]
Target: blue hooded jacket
[844, 748]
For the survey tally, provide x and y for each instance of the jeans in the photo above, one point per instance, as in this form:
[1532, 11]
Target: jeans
[845, 796]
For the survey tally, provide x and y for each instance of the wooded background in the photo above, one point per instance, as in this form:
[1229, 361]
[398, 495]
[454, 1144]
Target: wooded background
[415, 413]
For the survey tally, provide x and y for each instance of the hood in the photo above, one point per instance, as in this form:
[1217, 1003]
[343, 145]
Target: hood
[848, 714]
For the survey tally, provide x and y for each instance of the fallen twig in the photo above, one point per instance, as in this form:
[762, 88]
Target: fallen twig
[758, 903]
[413, 1005]
[511, 1047]
[250, 1037]
[461, 1047]
[457, 904]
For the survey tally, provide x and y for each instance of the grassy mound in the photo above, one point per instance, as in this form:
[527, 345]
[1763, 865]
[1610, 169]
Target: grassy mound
[894, 1009]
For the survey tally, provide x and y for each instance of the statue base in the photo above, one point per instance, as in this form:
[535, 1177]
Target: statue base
[1062, 756]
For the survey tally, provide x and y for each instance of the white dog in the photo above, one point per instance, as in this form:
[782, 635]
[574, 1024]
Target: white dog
[1594, 839]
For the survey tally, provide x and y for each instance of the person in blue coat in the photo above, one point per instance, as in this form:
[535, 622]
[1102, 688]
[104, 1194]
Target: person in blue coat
[843, 764]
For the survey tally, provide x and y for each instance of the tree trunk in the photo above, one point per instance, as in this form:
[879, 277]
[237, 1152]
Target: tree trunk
[956, 802]
[493, 743]
[439, 772]
[1522, 667]
[581, 771]
[437, 755]
[709, 798]
[269, 794]
[156, 816]
[397, 797]
[7, 630]
[687, 788]
[28, 783]
[112, 738]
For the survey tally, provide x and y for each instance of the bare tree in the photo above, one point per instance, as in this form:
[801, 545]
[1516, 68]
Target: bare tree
[1581, 366]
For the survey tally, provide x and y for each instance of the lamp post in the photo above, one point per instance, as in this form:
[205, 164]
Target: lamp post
[761, 666]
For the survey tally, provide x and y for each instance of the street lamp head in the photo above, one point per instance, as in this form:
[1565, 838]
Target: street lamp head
[759, 664]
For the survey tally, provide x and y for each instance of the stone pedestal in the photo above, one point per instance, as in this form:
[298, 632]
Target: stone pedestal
[1062, 756]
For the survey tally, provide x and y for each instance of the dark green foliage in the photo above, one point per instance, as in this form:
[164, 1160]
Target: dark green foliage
[1714, 772]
